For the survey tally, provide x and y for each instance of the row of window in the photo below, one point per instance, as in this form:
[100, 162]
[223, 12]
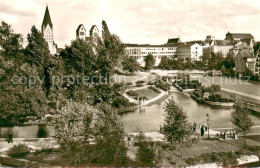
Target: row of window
[158, 53]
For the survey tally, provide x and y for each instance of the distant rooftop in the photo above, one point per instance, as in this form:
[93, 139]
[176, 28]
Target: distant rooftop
[150, 45]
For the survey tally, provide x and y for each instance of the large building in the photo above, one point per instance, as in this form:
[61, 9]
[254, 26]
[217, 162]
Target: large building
[235, 37]
[245, 59]
[217, 46]
[140, 51]
[191, 51]
[47, 30]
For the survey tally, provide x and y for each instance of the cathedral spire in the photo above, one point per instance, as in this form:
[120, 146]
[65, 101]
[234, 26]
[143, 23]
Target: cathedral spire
[46, 19]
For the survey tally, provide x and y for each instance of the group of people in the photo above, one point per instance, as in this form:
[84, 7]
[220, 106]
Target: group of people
[202, 128]
[226, 134]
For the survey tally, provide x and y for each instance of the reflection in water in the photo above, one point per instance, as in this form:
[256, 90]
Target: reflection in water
[149, 120]
[42, 131]
[28, 131]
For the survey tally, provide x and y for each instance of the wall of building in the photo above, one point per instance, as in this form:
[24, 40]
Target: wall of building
[140, 52]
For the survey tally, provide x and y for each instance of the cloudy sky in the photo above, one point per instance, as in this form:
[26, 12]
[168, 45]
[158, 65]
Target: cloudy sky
[137, 21]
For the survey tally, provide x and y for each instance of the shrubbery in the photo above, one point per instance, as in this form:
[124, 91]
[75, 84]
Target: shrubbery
[218, 98]
[163, 85]
[154, 89]
[131, 93]
[225, 158]
[19, 151]
[121, 101]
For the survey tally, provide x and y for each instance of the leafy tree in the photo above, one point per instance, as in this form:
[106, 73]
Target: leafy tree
[38, 54]
[147, 153]
[10, 42]
[131, 65]
[176, 128]
[79, 58]
[82, 130]
[109, 136]
[110, 52]
[256, 47]
[165, 63]
[241, 119]
[149, 61]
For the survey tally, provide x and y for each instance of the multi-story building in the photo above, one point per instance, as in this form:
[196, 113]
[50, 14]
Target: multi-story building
[47, 30]
[235, 37]
[191, 51]
[216, 46]
[140, 51]
[245, 59]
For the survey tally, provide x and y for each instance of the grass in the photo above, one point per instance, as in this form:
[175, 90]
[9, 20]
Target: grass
[146, 93]
[228, 95]
[214, 148]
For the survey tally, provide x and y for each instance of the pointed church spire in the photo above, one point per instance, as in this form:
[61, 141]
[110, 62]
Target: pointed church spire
[46, 19]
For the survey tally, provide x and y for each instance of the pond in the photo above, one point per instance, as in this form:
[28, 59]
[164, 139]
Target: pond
[148, 119]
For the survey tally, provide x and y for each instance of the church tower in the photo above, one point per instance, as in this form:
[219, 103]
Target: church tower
[47, 30]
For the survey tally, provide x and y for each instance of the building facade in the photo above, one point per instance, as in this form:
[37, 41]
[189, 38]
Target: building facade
[245, 59]
[81, 32]
[190, 51]
[47, 30]
[140, 51]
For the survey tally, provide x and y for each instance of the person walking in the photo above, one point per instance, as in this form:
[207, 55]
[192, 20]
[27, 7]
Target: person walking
[194, 126]
[202, 130]
[10, 137]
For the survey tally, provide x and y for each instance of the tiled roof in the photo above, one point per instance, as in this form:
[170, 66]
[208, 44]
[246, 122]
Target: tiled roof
[242, 35]
[173, 40]
[247, 41]
[77, 31]
[149, 45]
[46, 19]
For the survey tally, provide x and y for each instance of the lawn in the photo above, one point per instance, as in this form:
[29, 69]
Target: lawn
[228, 95]
[146, 93]
[205, 146]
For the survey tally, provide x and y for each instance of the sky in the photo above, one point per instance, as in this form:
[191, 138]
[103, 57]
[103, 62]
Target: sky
[137, 21]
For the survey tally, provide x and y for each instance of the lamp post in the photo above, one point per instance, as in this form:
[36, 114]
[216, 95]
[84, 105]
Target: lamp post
[208, 123]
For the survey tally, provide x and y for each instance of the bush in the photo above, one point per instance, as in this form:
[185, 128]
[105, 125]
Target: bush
[140, 82]
[163, 85]
[154, 89]
[225, 158]
[196, 94]
[121, 101]
[131, 93]
[19, 151]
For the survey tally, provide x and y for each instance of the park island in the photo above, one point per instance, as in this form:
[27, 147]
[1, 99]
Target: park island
[99, 101]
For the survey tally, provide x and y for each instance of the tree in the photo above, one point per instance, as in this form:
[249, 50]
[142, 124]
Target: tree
[131, 65]
[176, 128]
[241, 119]
[37, 52]
[82, 130]
[10, 42]
[79, 58]
[149, 61]
[165, 63]
[147, 153]
[110, 52]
